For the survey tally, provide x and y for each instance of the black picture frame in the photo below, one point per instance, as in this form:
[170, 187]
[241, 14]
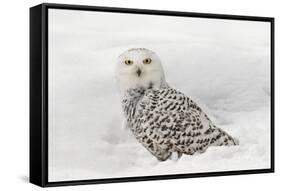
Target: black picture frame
[39, 93]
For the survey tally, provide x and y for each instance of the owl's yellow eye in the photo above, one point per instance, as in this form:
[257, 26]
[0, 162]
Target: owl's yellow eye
[128, 62]
[147, 61]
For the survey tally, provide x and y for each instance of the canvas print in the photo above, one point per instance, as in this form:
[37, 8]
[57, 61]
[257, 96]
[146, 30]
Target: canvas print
[132, 95]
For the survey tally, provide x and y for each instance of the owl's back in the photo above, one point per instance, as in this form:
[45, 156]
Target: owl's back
[166, 121]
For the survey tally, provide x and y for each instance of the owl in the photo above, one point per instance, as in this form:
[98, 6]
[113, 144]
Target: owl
[164, 120]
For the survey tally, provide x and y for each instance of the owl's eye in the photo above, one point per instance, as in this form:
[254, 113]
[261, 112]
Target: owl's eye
[128, 62]
[147, 61]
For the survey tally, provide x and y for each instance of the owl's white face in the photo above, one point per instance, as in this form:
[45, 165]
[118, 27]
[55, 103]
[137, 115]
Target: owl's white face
[139, 67]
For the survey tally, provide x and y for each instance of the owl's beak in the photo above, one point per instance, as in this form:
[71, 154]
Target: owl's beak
[139, 72]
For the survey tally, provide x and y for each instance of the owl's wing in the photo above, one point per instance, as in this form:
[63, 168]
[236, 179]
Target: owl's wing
[177, 124]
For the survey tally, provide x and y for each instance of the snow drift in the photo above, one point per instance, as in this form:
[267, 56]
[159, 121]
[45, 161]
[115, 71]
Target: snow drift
[224, 65]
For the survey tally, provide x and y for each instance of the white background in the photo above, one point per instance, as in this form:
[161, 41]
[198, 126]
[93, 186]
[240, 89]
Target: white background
[14, 79]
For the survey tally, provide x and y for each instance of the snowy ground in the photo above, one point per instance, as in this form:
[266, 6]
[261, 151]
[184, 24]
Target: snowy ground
[223, 65]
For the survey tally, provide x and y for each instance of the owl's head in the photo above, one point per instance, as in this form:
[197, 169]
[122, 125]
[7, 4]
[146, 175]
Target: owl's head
[139, 67]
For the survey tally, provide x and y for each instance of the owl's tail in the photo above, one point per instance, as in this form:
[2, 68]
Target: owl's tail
[221, 138]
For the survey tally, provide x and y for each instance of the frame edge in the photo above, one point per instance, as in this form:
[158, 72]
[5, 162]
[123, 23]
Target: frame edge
[36, 158]
[272, 83]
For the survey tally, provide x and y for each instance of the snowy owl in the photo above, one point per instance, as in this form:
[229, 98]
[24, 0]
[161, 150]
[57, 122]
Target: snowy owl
[165, 121]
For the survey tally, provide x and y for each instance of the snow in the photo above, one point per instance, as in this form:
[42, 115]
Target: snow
[221, 64]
